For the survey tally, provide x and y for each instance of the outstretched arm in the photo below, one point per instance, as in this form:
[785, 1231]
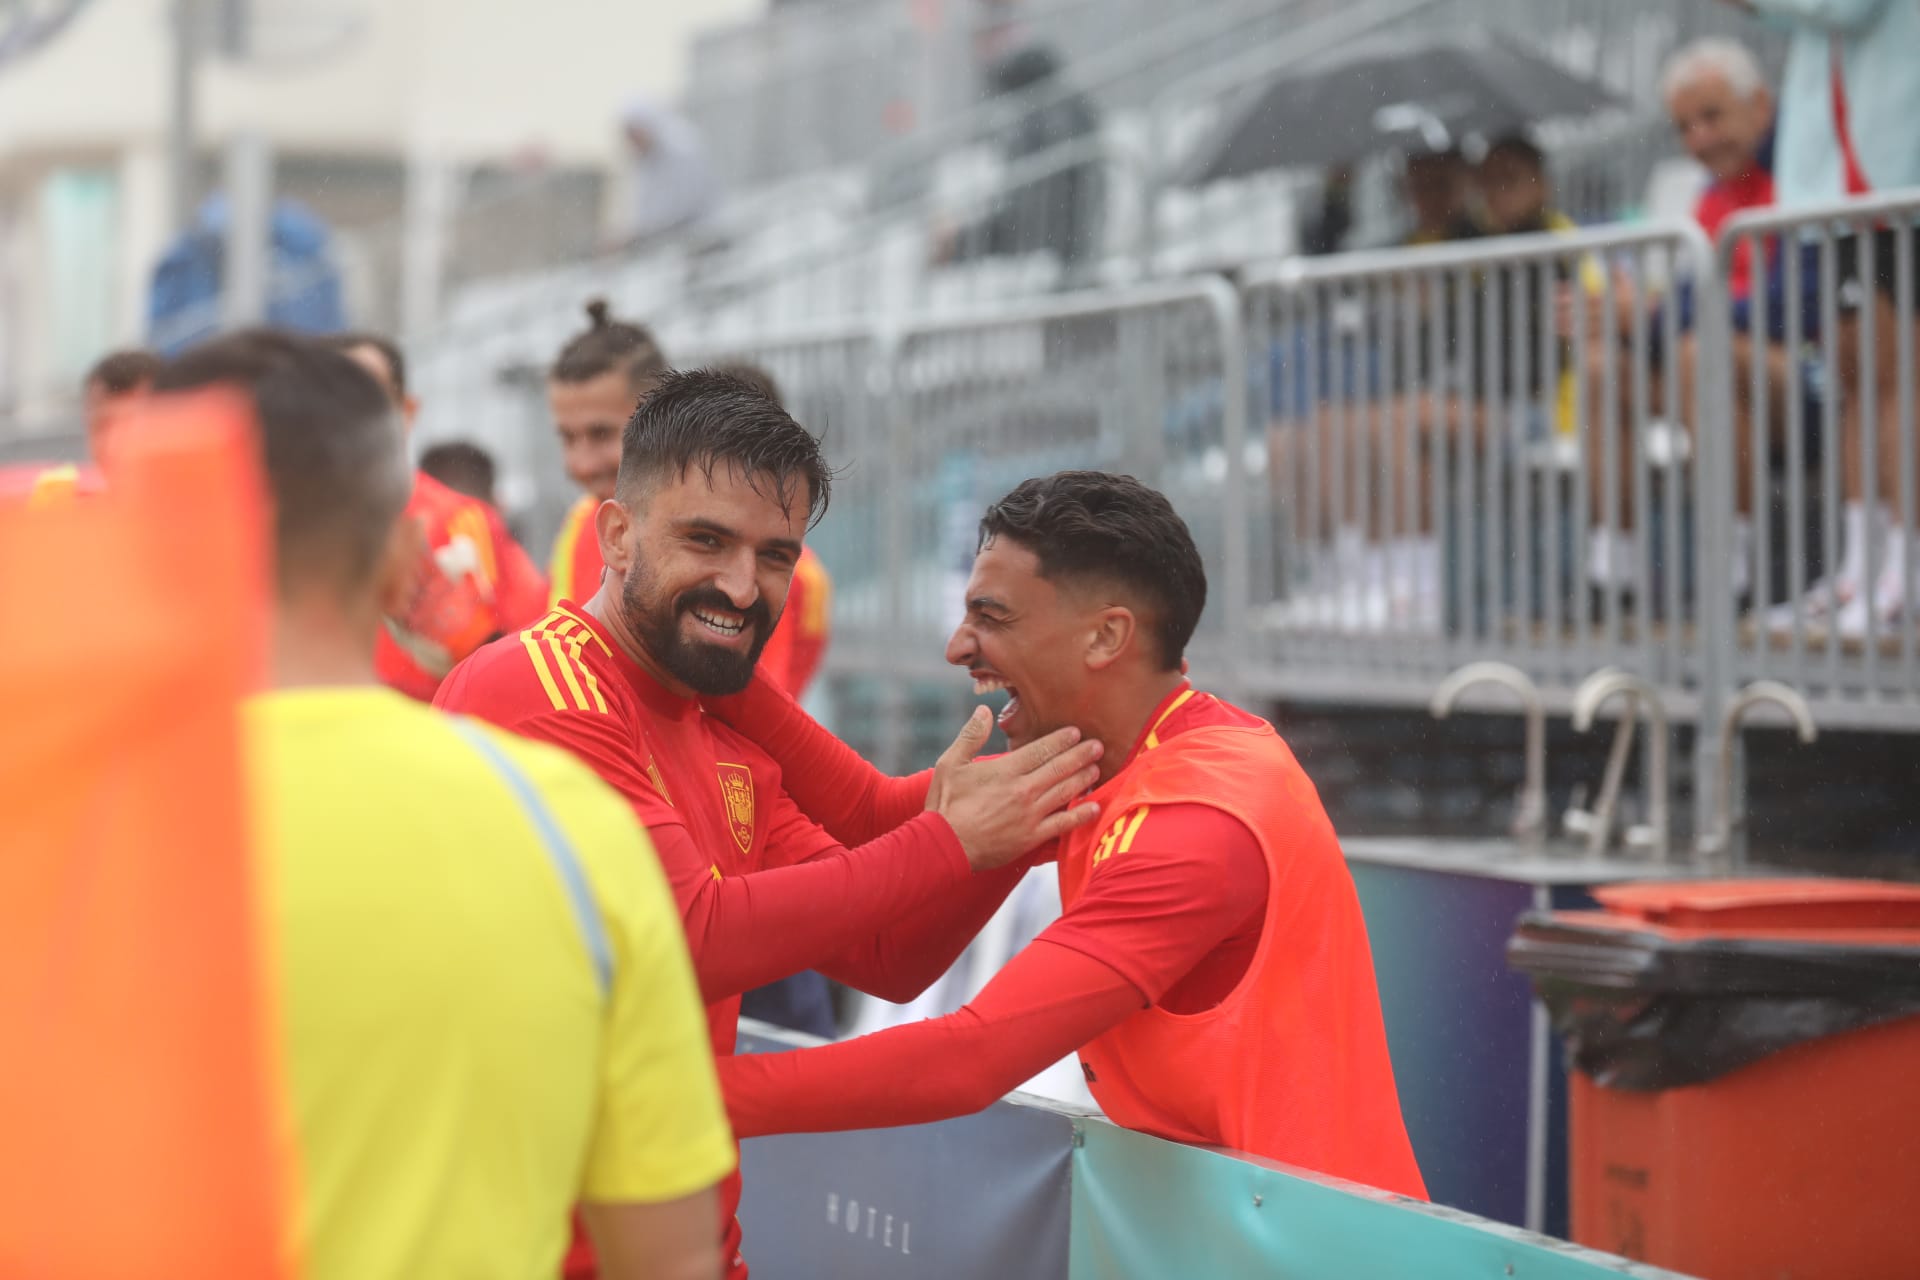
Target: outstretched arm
[1045, 1004]
[1191, 880]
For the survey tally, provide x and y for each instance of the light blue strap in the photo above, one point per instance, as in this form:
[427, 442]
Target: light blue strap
[559, 851]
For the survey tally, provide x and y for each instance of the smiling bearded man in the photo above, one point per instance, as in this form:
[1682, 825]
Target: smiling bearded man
[717, 487]
[1210, 965]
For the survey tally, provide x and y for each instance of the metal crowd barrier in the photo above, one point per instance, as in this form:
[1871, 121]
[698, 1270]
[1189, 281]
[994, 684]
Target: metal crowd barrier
[1815, 375]
[1442, 434]
[1531, 449]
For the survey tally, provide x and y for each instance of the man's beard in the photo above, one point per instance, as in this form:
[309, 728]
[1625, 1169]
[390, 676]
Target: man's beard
[708, 669]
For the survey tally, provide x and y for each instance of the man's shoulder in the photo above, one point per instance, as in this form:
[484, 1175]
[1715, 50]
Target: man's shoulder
[566, 783]
[558, 664]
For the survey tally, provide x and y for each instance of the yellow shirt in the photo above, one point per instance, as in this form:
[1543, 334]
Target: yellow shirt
[459, 1070]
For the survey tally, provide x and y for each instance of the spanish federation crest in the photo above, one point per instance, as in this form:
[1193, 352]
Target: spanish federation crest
[736, 792]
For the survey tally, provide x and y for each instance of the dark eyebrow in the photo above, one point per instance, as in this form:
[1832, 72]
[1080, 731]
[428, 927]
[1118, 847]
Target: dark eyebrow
[987, 604]
[703, 525]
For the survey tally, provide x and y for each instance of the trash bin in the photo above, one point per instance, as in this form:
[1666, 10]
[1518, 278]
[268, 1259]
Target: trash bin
[1745, 1058]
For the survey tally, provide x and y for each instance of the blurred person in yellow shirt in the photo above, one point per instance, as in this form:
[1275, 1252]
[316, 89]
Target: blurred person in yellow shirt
[486, 1011]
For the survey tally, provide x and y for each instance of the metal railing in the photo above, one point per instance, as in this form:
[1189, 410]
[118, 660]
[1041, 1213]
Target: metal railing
[1430, 419]
[1816, 374]
[952, 412]
[1534, 450]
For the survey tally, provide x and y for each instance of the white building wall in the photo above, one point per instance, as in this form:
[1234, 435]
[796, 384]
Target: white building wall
[465, 81]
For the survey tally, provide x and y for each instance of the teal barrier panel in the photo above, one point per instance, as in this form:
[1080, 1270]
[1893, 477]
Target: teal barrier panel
[1144, 1209]
[982, 1196]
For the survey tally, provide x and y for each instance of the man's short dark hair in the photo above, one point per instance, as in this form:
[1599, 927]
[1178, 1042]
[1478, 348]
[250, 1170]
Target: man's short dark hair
[335, 462]
[461, 466]
[396, 359]
[607, 345]
[119, 372]
[707, 419]
[1096, 527]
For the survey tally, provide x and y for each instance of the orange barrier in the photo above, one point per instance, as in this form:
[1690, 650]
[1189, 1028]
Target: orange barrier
[138, 1125]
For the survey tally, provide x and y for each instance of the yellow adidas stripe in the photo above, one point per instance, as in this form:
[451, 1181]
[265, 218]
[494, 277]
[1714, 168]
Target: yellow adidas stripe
[575, 635]
[591, 633]
[1153, 734]
[564, 660]
[531, 639]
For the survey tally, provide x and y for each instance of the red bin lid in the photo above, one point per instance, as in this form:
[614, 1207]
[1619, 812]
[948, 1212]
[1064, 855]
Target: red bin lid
[1743, 906]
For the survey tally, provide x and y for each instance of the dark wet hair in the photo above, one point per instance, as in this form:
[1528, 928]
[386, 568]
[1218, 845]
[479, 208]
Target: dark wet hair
[463, 467]
[119, 372]
[335, 462]
[707, 419]
[1093, 526]
[607, 345]
[396, 359]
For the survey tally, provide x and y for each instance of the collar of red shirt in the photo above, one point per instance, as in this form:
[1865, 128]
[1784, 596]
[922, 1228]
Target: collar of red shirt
[659, 699]
[1163, 719]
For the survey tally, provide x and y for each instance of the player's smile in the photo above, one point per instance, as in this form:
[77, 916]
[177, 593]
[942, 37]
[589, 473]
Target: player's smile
[724, 625]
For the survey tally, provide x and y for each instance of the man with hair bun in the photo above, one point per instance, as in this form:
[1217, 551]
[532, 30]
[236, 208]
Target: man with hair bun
[592, 389]
[1210, 965]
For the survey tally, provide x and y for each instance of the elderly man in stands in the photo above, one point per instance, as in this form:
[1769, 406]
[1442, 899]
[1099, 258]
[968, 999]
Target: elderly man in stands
[1723, 114]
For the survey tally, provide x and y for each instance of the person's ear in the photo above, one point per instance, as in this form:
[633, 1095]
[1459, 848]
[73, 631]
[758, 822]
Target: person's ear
[614, 525]
[398, 572]
[1111, 638]
[409, 410]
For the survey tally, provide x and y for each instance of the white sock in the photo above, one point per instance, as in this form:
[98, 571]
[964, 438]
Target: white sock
[1856, 529]
[1890, 588]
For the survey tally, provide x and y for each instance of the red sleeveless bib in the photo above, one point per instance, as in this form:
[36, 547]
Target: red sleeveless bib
[1292, 1065]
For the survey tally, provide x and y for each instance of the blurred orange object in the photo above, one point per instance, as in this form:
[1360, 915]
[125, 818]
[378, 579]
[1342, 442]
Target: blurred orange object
[139, 1130]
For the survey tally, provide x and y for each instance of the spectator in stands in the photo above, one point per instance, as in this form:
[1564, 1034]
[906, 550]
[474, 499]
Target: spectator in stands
[1056, 209]
[462, 467]
[1386, 562]
[1327, 230]
[1438, 187]
[1849, 103]
[1516, 194]
[486, 1010]
[673, 184]
[1723, 115]
[116, 380]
